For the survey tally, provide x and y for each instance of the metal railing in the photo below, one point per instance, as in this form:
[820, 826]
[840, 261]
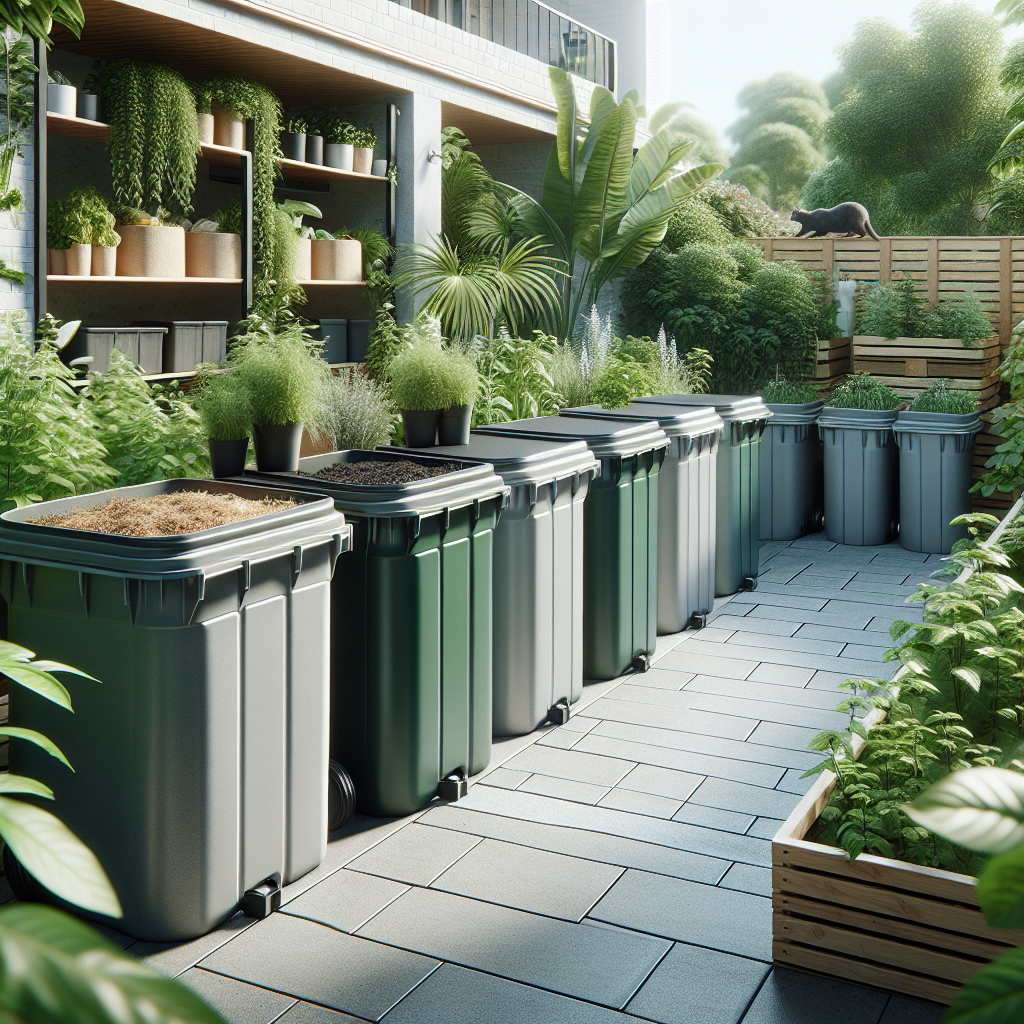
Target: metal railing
[531, 28]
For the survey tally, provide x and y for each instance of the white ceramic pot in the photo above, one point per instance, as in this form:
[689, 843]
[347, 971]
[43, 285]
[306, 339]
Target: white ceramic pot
[228, 128]
[79, 260]
[339, 155]
[151, 250]
[304, 259]
[104, 260]
[337, 259]
[57, 261]
[206, 128]
[362, 160]
[61, 99]
[213, 254]
[380, 168]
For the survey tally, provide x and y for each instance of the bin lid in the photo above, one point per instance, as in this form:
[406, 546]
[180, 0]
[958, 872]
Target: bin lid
[854, 419]
[520, 460]
[732, 408]
[181, 323]
[472, 481]
[675, 420]
[312, 520]
[605, 438]
[795, 414]
[937, 422]
[153, 328]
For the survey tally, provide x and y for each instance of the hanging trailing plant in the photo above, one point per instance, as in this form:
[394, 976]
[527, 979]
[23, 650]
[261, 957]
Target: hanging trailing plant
[154, 138]
[16, 99]
[253, 101]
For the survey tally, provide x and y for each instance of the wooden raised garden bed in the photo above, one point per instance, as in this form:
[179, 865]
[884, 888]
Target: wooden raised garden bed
[833, 358]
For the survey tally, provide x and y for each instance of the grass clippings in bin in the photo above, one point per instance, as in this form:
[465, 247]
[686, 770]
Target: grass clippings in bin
[164, 515]
[381, 472]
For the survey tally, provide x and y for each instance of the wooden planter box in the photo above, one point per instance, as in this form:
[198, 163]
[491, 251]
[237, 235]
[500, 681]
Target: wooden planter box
[875, 921]
[833, 358]
[925, 357]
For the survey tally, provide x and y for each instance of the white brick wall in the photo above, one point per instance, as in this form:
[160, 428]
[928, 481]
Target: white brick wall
[16, 237]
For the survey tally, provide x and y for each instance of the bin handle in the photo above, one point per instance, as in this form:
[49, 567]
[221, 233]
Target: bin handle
[296, 563]
[414, 533]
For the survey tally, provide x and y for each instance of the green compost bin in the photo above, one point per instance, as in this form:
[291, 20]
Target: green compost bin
[620, 536]
[411, 629]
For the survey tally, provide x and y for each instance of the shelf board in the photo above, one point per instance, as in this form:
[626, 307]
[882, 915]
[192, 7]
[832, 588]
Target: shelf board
[330, 284]
[296, 170]
[68, 279]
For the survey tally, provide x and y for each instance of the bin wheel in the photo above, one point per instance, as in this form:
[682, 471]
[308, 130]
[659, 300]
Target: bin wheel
[341, 797]
[894, 529]
[641, 662]
[22, 884]
[748, 583]
[819, 521]
[698, 620]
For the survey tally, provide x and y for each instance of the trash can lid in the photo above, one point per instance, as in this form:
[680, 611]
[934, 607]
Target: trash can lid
[938, 422]
[472, 481]
[784, 414]
[605, 438]
[675, 420]
[520, 460]
[312, 520]
[854, 419]
[732, 408]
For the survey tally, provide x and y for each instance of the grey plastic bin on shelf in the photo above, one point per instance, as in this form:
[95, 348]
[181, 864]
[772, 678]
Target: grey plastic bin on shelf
[936, 455]
[142, 345]
[738, 498]
[201, 755]
[861, 497]
[792, 487]
[334, 335]
[358, 340]
[191, 342]
[687, 486]
[538, 575]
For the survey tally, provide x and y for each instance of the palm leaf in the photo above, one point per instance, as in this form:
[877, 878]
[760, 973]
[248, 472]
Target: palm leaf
[565, 126]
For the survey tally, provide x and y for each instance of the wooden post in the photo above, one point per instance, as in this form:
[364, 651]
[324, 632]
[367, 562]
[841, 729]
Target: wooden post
[1005, 290]
[828, 255]
[933, 271]
[884, 260]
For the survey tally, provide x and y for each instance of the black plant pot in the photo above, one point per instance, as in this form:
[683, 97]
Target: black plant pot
[421, 427]
[454, 425]
[277, 447]
[314, 149]
[293, 146]
[227, 458]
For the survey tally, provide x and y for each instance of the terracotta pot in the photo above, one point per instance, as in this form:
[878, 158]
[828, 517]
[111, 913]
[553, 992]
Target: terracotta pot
[228, 128]
[104, 260]
[206, 128]
[213, 254]
[336, 259]
[362, 160]
[339, 155]
[303, 259]
[151, 250]
[79, 260]
[57, 260]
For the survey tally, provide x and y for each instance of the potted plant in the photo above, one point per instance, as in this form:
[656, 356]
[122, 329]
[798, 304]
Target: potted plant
[204, 118]
[295, 210]
[225, 409]
[337, 257]
[314, 147]
[57, 241]
[428, 383]
[460, 383]
[935, 437]
[213, 245]
[860, 462]
[339, 148]
[364, 139]
[293, 139]
[89, 225]
[60, 95]
[284, 382]
[150, 246]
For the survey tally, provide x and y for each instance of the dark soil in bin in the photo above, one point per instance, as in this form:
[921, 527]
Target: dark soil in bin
[371, 472]
[164, 515]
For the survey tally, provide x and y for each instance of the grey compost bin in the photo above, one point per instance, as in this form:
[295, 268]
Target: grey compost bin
[687, 487]
[792, 494]
[200, 756]
[334, 335]
[936, 455]
[144, 346]
[538, 575]
[191, 342]
[861, 498]
[738, 504]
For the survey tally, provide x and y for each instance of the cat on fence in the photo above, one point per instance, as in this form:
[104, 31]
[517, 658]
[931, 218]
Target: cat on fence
[844, 219]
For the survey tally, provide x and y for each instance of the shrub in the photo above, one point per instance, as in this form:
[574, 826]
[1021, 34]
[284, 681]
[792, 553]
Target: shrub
[283, 379]
[425, 376]
[460, 381]
[784, 392]
[225, 408]
[621, 380]
[750, 259]
[574, 376]
[964, 318]
[744, 215]
[940, 397]
[695, 221]
[896, 310]
[87, 218]
[358, 413]
[705, 275]
[862, 391]
[516, 380]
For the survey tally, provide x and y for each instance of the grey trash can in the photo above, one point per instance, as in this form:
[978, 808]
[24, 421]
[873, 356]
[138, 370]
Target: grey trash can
[792, 486]
[201, 755]
[738, 503]
[358, 340]
[861, 498]
[936, 455]
[538, 575]
[687, 488]
[334, 335]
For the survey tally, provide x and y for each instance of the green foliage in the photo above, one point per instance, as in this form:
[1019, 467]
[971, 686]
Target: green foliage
[708, 148]
[338, 133]
[744, 214]
[154, 137]
[16, 93]
[694, 221]
[750, 259]
[224, 407]
[358, 412]
[385, 341]
[785, 155]
[85, 218]
[780, 300]
[940, 396]
[229, 218]
[515, 378]
[862, 391]
[621, 380]
[56, 229]
[1006, 465]
[36, 18]
[784, 392]
[296, 126]
[574, 375]
[425, 375]
[899, 310]
[964, 318]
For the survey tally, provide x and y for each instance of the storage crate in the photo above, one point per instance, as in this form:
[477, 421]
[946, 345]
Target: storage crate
[925, 357]
[142, 345]
[191, 342]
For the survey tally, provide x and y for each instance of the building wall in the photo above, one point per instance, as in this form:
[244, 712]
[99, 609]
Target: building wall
[16, 249]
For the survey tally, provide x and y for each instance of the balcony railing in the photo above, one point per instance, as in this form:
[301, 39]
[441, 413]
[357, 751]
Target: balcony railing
[531, 28]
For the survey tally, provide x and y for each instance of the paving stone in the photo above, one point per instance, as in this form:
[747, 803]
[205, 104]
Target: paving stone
[821, 578]
[904, 1010]
[663, 679]
[838, 607]
[564, 789]
[742, 624]
[347, 899]
[755, 690]
[606, 967]
[765, 828]
[831, 681]
[713, 817]
[722, 919]
[172, 958]
[792, 997]
[534, 880]
[557, 738]
[868, 576]
[881, 623]
[735, 796]
[792, 737]
[640, 803]
[414, 854]
[784, 643]
[663, 782]
[816, 541]
[571, 764]
[812, 630]
[307, 1013]
[455, 995]
[792, 782]
[707, 661]
[321, 965]
[781, 600]
[804, 660]
[846, 619]
[505, 778]
[595, 846]
[676, 711]
[235, 1001]
[718, 633]
[698, 985]
[863, 653]
[835, 593]
[895, 589]
[678, 835]
[747, 878]
[577, 724]
[784, 675]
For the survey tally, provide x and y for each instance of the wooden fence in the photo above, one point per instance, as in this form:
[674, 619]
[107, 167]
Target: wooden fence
[992, 267]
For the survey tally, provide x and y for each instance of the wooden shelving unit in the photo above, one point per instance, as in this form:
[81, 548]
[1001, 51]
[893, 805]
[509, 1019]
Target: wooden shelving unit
[71, 279]
[298, 170]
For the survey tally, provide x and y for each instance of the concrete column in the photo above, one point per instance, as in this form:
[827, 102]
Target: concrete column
[419, 182]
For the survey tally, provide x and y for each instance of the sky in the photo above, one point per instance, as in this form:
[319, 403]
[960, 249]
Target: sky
[720, 45]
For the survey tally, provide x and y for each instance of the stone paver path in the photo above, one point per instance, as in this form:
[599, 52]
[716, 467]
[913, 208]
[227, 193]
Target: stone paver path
[613, 869]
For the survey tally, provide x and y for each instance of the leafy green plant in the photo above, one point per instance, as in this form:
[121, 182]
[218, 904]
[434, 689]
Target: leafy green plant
[364, 137]
[229, 218]
[862, 391]
[784, 392]
[337, 133]
[516, 382]
[358, 412]
[896, 310]
[964, 318]
[295, 210]
[224, 407]
[694, 221]
[622, 379]
[941, 397]
[36, 17]
[86, 218]
[18, 90]
[56, 229]
[426, 374]
[1006, 465]
[296, 126]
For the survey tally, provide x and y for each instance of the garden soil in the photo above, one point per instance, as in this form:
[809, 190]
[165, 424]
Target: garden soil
[377, 472]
